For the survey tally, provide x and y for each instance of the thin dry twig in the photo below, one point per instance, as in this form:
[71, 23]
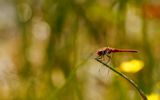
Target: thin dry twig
[126, 78]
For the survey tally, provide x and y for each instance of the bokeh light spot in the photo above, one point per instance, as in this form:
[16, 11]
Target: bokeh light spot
[153, 96]
[132, 66]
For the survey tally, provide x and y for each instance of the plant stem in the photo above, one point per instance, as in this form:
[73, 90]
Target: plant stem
[125, 77]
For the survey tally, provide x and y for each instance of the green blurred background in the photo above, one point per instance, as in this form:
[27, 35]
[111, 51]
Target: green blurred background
[47, 48]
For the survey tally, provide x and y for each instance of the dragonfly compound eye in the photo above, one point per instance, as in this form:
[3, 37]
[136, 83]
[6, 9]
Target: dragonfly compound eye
[99, 53]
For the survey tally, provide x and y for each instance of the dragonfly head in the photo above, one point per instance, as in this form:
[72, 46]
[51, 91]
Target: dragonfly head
[101, 52]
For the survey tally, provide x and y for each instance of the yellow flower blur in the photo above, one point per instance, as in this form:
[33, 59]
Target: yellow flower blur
[153, 96]
[132, 66]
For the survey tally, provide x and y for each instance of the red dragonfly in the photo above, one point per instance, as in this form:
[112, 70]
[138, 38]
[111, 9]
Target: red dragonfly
[106, 51]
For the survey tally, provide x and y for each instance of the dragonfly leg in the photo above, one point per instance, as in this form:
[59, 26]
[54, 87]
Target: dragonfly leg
[109, 58]
[99, 57]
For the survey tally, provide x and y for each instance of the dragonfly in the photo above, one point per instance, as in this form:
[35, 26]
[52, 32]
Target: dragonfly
[107, 51]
